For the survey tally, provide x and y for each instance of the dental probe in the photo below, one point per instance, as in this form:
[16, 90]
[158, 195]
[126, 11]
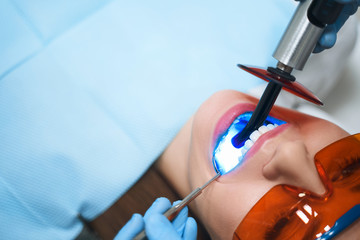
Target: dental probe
[293, 51]
[172, 212]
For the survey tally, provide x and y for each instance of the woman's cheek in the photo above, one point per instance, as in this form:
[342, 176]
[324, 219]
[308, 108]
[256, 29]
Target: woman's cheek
[227, 204]
[319, 133]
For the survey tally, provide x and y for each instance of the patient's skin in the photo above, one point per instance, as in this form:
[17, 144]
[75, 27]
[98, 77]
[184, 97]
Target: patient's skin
[281, 156]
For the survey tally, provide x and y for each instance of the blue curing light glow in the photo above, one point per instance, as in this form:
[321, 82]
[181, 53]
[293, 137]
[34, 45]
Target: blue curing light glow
[226, 157]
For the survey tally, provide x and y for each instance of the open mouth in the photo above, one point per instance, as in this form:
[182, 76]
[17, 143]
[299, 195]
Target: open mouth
[226, 157]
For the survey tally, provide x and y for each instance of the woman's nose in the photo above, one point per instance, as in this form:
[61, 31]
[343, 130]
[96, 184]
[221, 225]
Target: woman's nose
[291, 164]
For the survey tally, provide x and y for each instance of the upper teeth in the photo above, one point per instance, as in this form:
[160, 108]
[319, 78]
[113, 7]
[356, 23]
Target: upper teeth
[257, 133]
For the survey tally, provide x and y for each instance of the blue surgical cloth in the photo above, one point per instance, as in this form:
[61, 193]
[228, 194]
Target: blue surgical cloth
[91, 93]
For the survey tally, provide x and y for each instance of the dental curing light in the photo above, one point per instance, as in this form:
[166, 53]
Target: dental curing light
[292, 52]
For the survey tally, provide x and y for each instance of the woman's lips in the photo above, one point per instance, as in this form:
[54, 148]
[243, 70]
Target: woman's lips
[227, 119]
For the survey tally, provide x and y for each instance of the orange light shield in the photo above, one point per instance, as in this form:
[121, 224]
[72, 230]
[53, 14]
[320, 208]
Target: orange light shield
[292, 87]
[287, 212]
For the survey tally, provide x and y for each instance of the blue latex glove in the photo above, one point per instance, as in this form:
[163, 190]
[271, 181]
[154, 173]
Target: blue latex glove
[328, 38]
[157, 226]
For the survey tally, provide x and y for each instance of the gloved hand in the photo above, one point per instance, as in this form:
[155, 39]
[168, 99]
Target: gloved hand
[328, 38]
[157, 226]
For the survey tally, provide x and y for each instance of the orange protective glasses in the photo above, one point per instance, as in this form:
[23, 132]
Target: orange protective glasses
[287, 212]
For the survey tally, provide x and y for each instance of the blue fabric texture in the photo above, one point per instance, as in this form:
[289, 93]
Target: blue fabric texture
[91, 93]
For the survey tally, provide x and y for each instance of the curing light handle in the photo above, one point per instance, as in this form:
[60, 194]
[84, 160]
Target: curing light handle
[323, 12]
[304, 31]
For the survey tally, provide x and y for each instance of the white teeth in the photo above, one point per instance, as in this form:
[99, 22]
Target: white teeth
[255, 135]
[263, 129]
[248, 144]
[270, 126]
[244, 151]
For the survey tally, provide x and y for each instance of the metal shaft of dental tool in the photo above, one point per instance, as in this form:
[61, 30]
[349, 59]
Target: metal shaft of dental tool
[172, 212]
[258, 117]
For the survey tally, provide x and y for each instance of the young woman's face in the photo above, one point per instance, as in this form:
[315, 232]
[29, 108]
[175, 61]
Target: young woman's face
[283, 155]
